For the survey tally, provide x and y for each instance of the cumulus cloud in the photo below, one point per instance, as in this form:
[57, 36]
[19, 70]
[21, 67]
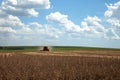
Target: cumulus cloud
[89, 27]
[113, 17]
[7, 25]
[11, 10]
[63, 20]
[92, 26]
[7, 30]
[113, 10]
[10, 21]
[6, 33]
[12, 26]
[111, 34]
[48, 31]
[2, 14]
[113, 14]
[24, 30]
[52, 32]
[25, 7]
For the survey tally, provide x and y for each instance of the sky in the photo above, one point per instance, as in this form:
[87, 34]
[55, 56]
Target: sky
[93, 23]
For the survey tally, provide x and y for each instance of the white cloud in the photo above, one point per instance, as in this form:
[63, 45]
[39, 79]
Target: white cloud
[111, 34]
[52, 32]
[57, 17]
[2, 14]
[35, 25]
[6, 34]
[25, 30]
[24, 7]
[10, 21]
[12, 26]
[89, 27]
[63, 20]
[113, 10]
[113, 17]
[92, 26]
[113, 14]
[46, 30]
[7, 30]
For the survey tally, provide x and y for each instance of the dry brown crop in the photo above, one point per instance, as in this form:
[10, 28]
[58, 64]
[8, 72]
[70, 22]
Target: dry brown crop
[46, 67]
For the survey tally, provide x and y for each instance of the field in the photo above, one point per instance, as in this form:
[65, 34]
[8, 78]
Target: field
[54, 48]
[62, 63]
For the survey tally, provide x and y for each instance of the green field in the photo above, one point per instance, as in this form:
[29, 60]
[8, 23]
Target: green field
[71, 48]
[54, 48]
[18, 48]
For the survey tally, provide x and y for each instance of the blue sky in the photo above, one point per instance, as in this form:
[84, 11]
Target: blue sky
[93, 23]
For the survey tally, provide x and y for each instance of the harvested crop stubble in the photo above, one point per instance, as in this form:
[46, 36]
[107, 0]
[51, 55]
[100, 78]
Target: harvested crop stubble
[41, 67]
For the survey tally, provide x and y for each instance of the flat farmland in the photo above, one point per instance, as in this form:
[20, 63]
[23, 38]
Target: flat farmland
[89, 64]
